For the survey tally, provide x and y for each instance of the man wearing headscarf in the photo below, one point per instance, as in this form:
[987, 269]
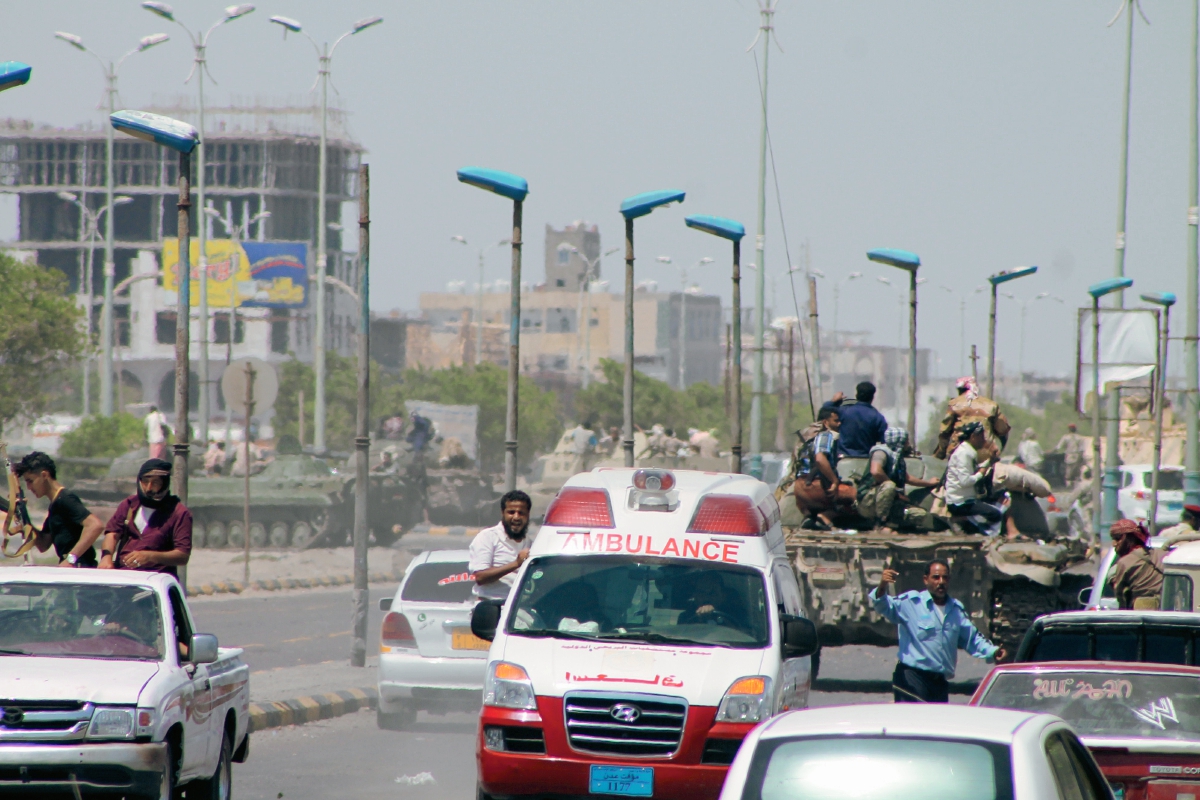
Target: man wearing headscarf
[150, 531]
[970, 406]
[1137, 577]
[1029, 452]
[964, 471]
[881, 497]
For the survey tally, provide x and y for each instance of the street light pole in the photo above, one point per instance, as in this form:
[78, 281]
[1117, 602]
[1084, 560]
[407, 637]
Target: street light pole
[584, 324]
[199, 68]
[766, 9]
[362, 439]
[106, 316]
[910, 262]
[1165, 300]
[1098, 290]
[1000, 277]
[324, 58]
[633, 207]
[1191, 462]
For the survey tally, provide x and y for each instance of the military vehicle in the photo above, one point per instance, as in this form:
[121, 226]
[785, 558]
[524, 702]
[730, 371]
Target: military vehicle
[1003, 585]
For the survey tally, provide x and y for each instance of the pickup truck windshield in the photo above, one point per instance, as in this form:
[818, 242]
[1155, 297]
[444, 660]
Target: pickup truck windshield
[1119, 704]
[662, 601]
[80, 621]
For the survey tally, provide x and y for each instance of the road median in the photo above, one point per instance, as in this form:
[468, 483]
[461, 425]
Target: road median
[237, 587]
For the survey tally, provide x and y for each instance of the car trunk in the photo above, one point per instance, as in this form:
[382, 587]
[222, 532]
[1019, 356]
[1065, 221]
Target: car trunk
[436, 598]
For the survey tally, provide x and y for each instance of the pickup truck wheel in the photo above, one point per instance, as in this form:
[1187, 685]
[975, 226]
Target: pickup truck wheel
[220, 785]
[396, 720]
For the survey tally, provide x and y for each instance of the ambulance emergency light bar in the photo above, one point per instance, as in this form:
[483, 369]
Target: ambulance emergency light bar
[728, 514]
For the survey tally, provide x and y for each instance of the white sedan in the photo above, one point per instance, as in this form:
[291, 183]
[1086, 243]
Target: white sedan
[1133, 498]
[914, 752]
[428, 658]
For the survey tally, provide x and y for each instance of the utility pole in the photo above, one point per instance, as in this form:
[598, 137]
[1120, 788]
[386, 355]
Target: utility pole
[767, 11]
[251, 374]
[1191, 464]
[814, 324]
[362, 439]
[974, 365]
[319, 341]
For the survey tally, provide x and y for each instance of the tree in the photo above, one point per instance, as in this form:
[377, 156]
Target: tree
[101, 437]
[40, 336]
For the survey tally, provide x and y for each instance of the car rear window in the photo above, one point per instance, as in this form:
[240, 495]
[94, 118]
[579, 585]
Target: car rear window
[1099, 703]
[878, 768]
[1169, 480]
[438, 582]
[1154, 644]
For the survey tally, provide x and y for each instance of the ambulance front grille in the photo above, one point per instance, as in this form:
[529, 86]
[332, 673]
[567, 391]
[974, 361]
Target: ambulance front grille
[632, 725]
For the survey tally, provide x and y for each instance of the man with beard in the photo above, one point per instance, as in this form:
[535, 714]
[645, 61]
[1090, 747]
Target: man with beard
[499, 551]
[150, 531]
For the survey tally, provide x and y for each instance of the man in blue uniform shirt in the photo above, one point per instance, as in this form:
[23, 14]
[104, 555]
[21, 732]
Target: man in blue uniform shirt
[862, 426]
[933, 626]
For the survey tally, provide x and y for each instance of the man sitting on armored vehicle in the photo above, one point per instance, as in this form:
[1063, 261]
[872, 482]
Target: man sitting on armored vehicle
[818, 489]
[881, 497]
[862, 426]
[970, 406]
[964, 472]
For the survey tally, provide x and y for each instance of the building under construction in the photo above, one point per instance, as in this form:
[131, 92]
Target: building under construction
[258, 157]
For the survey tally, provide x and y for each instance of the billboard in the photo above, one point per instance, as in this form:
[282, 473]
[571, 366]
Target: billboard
[246, 274]
[1129, 341]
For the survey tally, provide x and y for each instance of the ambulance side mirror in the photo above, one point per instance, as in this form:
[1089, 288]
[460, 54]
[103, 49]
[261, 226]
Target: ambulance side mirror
[799, 636]
[485, 618]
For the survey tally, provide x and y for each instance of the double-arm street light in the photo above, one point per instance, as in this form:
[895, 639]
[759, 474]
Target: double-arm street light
[14, 73]
[1101, 519]
[909, 262]
[479, 296]
[584, 315]
[199, 69]
[110, 270]
[683, 271]
[90, 231]
[639, 205]
[1004, 276]
[732, 231]
[324, 57]
[1164, 300]
[515, 188]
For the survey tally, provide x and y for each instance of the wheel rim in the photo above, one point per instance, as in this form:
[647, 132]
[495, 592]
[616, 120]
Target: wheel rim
[301, 534]
[225, 777]
[216, 535]
[280, 535]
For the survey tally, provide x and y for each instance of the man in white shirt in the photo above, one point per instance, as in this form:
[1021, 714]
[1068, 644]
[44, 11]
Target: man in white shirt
[963, 472]
[156, 432]
[499, 551]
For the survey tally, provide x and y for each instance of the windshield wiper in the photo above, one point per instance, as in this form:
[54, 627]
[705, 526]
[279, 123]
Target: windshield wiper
[12, 651]
[661, 638]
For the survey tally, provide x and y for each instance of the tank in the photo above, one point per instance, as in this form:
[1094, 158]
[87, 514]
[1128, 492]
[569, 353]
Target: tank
[1003, 585]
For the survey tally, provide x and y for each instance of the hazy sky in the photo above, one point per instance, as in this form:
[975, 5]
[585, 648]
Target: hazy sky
[981, 136]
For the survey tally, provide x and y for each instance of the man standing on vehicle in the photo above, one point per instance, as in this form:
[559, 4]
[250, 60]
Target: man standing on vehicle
[932, 626]
[1137, 576]
[499, 551]
[1189, 523]
[862, 425]
[150, 531]
[69, 526]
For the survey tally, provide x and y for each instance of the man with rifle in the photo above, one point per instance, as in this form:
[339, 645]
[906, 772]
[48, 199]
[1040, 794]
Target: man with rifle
[69, 525]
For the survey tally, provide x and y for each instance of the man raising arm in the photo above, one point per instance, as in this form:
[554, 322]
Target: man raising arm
[499, 551]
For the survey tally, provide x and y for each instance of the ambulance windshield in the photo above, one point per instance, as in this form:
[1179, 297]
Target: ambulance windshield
[656, 600]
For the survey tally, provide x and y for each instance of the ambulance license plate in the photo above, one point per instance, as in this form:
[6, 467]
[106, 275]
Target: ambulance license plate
[625, 781]
[463, 639]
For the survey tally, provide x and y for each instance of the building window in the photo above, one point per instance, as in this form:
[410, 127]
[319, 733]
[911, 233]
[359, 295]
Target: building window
[564, 256]
[164, 327]
[221, 329]
[279, 334]
[560, 282]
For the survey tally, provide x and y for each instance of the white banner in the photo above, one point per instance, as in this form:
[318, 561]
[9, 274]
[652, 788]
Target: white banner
[1128, 348]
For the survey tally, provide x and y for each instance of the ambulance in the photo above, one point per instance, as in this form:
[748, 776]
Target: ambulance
[654, 624]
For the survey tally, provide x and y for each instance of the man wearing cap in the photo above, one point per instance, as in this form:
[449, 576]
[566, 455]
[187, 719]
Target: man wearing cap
[1189, 523]
[150, 531]
[1137, 577]
[1074, 449]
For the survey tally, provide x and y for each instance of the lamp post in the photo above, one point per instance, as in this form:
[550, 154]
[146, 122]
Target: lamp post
[909, 262]
[1003, 276]
[478, 296]
[91, 229]
[182, 138]
[639, 205]
[110, 269]
[733, 231]
[324, 57]
[1191, 458]
[14, 73]
[199, 68]
[962, 326]
[515, 188]
[1164, 300]
[1098, 290]
[585, 321]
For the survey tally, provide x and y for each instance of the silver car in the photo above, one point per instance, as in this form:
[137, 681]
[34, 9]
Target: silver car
[429, 660]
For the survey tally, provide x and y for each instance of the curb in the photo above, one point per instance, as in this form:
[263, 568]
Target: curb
[310, 709]
[881, 687]
[237, 587]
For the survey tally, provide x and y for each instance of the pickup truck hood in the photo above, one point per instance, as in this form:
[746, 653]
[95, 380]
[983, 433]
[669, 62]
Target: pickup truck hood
[100, 681]
[699, 674]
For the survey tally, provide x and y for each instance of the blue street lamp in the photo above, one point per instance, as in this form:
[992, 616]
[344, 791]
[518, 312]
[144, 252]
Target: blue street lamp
[182, 138]
[1102, 493]
[631, 208]
[733, 231]
[515, 188]
[909, 262]
[1003, 276]
[13, 73]
[1165, 300]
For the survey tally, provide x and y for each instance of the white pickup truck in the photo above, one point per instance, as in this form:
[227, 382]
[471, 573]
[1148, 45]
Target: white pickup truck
[106, 689]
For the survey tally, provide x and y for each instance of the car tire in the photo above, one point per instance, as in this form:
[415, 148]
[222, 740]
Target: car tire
[396, 720]
[480, 794]
[220, 785]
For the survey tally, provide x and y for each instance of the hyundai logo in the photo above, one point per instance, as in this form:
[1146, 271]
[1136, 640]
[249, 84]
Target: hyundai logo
[623, 712]
[12, 716]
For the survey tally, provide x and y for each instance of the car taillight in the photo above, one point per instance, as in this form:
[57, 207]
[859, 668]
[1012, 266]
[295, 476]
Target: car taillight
[1140, 495]
[728, 513]
[577, 506]
[396, 631]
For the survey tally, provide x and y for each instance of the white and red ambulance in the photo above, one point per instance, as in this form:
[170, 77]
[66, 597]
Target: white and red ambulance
[655, 623]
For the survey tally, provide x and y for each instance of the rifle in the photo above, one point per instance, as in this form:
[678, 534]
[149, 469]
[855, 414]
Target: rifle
[16, 520]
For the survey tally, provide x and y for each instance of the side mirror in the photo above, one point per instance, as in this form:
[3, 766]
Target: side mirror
[385, 604]
[485, 618]
[1085, 595]
[203, 649]
[799, 636]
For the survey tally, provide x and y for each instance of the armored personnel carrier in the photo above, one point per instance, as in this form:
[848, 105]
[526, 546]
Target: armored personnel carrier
[1003, 585]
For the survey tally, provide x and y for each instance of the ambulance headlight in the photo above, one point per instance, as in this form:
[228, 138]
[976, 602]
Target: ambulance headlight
[508, 686]
[747, 700]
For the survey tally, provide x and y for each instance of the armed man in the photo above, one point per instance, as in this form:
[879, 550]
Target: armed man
[970, 406]
[69, 525]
